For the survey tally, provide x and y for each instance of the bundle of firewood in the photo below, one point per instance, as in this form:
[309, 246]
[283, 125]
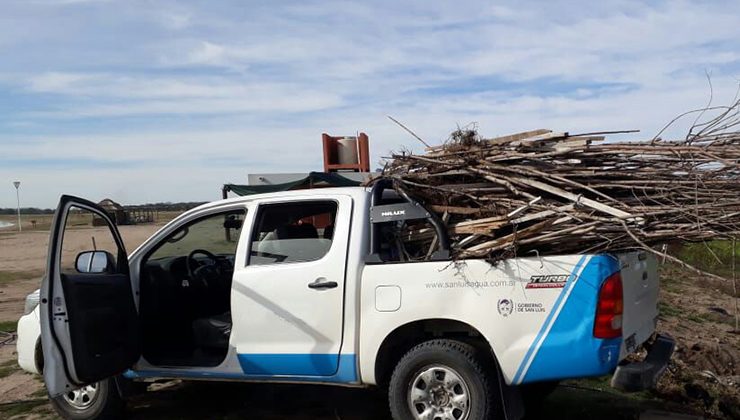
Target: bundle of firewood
[542, 192]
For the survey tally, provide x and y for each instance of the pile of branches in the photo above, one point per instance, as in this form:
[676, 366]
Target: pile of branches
[542, 192]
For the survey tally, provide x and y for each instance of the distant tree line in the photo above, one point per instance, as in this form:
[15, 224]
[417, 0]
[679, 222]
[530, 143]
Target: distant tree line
[154, 206]
[169, 206]
[26, 210]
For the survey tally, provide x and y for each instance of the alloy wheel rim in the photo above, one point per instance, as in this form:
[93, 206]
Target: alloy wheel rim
[438, 392]
[82, 398]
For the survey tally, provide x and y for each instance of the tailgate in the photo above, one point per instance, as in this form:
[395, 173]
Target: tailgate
[639, 271]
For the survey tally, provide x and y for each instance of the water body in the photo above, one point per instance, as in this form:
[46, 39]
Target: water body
[5, 224]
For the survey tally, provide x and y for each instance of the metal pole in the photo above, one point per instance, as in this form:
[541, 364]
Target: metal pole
[17, 185]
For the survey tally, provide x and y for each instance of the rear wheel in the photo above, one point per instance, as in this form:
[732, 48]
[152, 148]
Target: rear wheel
[442, 380]
[97, 401]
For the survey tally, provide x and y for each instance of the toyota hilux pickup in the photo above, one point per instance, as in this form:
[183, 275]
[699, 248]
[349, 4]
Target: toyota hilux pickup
[312, 287]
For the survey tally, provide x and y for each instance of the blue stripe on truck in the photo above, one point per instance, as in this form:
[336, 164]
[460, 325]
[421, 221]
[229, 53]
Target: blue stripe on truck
[326, 367]
[569, 349]
[289, 364]
[532, 352]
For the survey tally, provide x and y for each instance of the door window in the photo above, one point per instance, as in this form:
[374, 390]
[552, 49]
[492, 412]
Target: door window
[86, 231]
[293, 232]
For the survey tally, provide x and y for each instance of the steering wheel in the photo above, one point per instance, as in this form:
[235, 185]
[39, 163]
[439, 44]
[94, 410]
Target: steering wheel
[203, 273]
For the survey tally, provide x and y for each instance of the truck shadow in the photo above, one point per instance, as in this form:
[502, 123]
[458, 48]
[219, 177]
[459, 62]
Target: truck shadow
[198, 400]
[213, 400]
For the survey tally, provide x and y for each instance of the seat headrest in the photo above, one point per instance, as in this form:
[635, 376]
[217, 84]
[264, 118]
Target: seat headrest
[302, 231]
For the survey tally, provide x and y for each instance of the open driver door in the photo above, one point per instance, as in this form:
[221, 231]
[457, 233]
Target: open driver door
[89, 322]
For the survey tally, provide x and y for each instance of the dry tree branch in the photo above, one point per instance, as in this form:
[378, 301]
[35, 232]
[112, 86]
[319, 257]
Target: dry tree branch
[587, 190]
[408, 131]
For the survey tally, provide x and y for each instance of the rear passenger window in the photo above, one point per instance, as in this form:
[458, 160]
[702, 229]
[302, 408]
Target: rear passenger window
[292, 232]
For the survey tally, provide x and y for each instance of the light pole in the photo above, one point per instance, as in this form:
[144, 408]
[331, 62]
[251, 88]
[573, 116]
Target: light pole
[17, 185]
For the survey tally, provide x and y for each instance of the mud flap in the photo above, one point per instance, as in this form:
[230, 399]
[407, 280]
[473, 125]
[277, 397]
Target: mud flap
[511, 400]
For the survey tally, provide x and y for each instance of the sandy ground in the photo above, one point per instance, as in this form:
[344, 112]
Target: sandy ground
[12, 297]
[26, 251]
[18, 385]
[25, 255]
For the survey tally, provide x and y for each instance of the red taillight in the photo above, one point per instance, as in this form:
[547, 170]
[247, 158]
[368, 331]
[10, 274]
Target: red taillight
[609, 309]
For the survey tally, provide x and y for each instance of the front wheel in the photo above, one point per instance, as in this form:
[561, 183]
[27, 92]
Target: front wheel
[97, 401]
[442, 380]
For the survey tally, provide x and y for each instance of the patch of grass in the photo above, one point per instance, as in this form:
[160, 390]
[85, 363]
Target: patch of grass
[602, 384]
[718, 318]
[7, 277]
[20, 408]
[43, 222]
[166, 216]
[704, 256]
[672, 277]
[696, 318]
[41, 393]
[8, 367]
[8, 326]
[664, 309]
[593, 398]
[670, 286]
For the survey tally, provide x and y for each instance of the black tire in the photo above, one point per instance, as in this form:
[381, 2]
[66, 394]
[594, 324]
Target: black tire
[106, 404]
[474, 369]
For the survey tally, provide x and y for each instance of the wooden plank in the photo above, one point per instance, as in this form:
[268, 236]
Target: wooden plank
[542, 214]
[540, 138]
[518, 136]
[578, 199]
[480, 221]
[454, 209]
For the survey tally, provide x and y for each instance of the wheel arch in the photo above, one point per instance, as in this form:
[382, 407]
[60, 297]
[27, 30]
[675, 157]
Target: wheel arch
[38, 356]
[404, 337]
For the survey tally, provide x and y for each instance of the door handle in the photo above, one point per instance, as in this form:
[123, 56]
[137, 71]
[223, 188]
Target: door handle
[319, 284]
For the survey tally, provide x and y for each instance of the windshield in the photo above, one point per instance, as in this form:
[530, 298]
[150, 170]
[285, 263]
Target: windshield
[217, 233]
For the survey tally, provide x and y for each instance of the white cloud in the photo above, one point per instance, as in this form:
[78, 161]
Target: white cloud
[118, 95]
[210, 54]
[181, 84]
[55, 82]
[176, 21]
[67, 2]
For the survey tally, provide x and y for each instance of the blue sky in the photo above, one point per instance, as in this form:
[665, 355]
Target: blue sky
[146, 101]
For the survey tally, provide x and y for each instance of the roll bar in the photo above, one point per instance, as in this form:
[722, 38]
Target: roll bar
[409, 210]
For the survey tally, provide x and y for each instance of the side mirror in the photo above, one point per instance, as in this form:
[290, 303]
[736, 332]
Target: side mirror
[233, 223]
[95, 262]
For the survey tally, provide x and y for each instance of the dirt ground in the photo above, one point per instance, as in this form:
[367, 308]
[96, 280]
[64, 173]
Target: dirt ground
[702, 379]
[704, 372]
[26, 251]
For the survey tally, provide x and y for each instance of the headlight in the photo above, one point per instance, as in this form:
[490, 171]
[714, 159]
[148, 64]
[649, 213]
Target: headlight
[32, 301]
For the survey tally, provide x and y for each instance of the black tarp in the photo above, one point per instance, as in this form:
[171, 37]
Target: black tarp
[317, 179]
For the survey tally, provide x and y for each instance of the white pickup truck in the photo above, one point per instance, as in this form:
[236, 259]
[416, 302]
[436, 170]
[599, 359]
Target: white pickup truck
[309, 287]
